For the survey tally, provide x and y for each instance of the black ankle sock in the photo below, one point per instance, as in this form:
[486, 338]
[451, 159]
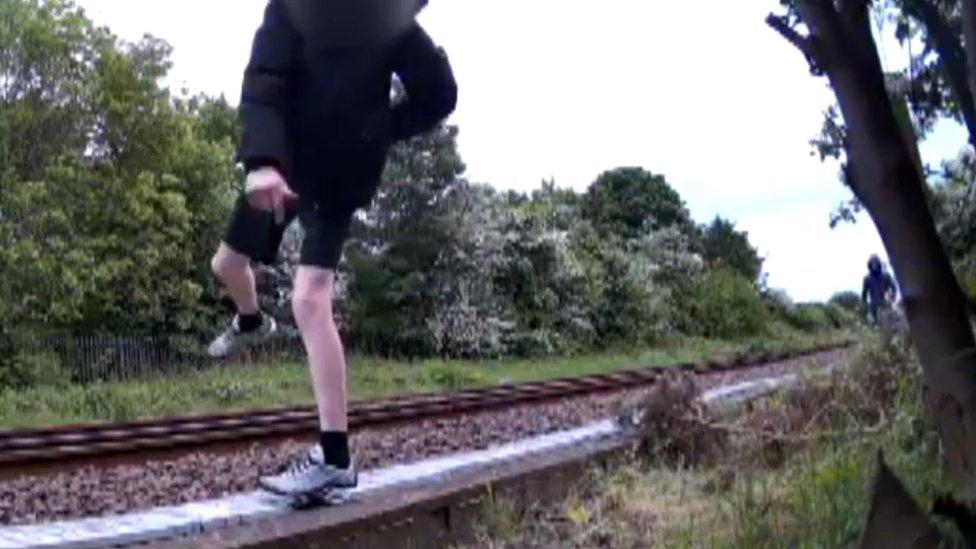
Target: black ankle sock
[335, 447]
[249, 323]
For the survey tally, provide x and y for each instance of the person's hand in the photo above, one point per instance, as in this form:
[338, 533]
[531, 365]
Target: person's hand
[268, 191]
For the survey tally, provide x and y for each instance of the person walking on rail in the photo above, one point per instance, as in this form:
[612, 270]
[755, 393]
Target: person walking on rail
[879, 290]
[318, 121]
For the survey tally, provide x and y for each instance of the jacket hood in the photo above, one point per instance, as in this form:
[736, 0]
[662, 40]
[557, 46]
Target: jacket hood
[874, 265]
[352, 24]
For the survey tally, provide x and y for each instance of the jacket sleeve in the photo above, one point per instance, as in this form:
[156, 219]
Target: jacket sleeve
[264, 95]
[429, 82]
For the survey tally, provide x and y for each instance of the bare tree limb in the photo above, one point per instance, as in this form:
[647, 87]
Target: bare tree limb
[805, 44]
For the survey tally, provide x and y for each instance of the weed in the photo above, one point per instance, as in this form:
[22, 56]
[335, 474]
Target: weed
[814, 492]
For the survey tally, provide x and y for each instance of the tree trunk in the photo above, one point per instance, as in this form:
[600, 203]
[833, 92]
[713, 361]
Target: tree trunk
[840, 45]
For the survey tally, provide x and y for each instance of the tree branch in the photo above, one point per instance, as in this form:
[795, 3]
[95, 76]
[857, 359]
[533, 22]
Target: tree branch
[802, 43]
[949, 47]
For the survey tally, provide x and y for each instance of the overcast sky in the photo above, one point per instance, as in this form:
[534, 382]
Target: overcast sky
[719, 104]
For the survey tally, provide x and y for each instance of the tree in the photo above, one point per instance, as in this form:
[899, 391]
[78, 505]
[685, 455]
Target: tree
[114, 194]
[935, 85]
[940, 73]
[723, 304]
[629, 201]
[48, 57]
[725, 247]
[396, 245]
[848, 300]
[541, 277]
[839, 44]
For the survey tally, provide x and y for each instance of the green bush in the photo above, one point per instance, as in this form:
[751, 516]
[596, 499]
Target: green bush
[808, 318]
[840, 317]
[633, 309]
[26, 362]
[725, 305]
[849, 301]
[816, 317]
[31, 369]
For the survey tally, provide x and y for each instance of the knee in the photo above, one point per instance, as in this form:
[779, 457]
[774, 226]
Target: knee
[313, 302]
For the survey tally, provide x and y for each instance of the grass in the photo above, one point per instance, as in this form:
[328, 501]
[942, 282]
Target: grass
[244, 387]
[817, 497]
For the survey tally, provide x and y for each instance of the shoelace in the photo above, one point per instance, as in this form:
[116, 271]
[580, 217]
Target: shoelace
[300, 466]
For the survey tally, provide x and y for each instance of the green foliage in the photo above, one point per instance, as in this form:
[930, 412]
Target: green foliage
[48, 55]
[114, 194]
[849, 301]
[444, 267]
[632, 310]
[31, 369]
[807, 317]
[629, 201]
[725, 247]
[815, 317]
[544, 278]
[723, 304]
[953, 203]
[398, 250]
[821, 497]
[840, 318]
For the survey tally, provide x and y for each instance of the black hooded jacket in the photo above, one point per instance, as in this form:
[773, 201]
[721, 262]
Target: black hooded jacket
[319, 109]
[877, 285]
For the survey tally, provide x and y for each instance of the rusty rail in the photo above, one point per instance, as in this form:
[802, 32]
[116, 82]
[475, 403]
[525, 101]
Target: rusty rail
[56, 446]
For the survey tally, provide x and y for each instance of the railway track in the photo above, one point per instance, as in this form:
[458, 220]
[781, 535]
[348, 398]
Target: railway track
[57, 447]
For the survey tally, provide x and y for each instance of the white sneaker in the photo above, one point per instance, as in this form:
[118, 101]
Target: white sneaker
[310, 474]
[234, 340]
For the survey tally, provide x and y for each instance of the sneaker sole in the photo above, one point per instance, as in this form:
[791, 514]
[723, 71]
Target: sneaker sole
[325, 489]
[333, 498]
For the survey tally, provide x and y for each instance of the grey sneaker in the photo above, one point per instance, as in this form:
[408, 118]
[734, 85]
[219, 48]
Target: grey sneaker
[310, 474]
[233, 340]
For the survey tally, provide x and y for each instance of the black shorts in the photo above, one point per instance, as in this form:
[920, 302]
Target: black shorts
[255, 233]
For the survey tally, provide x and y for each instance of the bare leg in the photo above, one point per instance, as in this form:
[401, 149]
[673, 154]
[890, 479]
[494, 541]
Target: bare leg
[312, 304]
[234, 270]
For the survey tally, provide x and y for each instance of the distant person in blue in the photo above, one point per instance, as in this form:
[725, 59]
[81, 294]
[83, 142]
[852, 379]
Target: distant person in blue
[879, 290]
